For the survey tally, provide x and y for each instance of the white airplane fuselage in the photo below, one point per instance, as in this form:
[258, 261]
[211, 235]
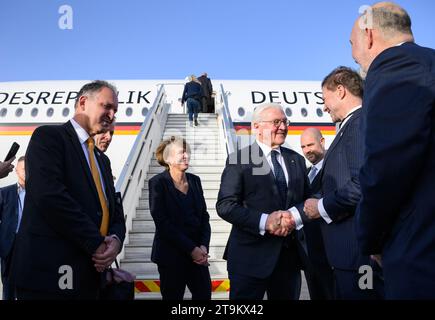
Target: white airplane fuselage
[29, 104]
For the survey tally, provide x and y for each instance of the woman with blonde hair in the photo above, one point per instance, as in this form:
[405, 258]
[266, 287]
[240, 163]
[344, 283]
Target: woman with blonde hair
[182, 237]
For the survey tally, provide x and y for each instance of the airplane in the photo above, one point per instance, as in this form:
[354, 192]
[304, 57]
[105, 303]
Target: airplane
[25, 105]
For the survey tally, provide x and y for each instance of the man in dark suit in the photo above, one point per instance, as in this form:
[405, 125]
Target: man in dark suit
[11, 210]
[342, 93]
[207, 90]
[318, 272]
[396, 216]
[258, 182]
[71, 229]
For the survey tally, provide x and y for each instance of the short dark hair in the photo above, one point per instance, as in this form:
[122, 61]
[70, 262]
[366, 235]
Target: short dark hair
[93, 87]
[346, 77]
[22, 158]
[162, 153]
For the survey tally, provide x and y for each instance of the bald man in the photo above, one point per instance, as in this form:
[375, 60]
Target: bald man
[396, 214]
[317, 269]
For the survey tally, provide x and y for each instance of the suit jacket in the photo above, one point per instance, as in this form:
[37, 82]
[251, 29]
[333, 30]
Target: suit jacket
[62, 215]
[174, 240]
[341, 193]
[396, 216]
[312, 235]
[207, 87]
[247, 190]
[8, 221]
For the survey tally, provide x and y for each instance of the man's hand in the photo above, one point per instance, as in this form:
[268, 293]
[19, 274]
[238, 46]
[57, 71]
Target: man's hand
[310, 208]
[280, 223]
[200, 256]
[106, 253]
[6, 167]
[287, 221]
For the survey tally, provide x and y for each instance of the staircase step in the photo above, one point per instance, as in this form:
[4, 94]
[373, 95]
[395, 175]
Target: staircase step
[197, 163]
[147, 268]
[187, 295]
[196, 170]
[144, 213]
[217, 238]
[211, 194]
[147, 226]
[144, 203]
[204, 176]
[144, 252]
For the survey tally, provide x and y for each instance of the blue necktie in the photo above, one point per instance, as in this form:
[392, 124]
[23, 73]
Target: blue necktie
[280, 181]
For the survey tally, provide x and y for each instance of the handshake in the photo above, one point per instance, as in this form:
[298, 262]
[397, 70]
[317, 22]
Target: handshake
[280, 223]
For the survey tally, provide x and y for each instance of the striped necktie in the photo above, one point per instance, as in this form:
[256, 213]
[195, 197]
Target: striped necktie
[96, 176]
[280, 181]
[312, 174]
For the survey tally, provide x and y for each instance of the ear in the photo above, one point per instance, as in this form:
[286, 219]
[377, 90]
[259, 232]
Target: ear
[340, 91]
[369, 38]
[82, 102]
[322, 142]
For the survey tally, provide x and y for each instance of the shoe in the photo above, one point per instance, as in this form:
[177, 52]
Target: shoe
[196, 123]
[191, 123]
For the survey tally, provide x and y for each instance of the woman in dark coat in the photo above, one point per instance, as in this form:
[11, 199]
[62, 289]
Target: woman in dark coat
[182, 237]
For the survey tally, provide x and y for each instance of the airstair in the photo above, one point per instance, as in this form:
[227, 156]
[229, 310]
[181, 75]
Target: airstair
[210, 143]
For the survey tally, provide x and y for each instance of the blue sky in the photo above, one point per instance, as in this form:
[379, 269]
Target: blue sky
[170, 39]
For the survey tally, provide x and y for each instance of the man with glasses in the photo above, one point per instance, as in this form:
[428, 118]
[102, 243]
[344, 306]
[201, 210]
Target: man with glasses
[259, 187]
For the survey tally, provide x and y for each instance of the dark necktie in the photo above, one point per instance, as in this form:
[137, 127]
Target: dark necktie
[279, 176]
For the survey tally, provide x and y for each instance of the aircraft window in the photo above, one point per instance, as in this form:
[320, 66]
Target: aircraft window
[3, 112]
[65, 112]
[319, 112]
[129, 112]
[50, 112]
[304, 112]
[34, 112]
[288, 112]
[241, 111]
[19, 112]
[144, 111]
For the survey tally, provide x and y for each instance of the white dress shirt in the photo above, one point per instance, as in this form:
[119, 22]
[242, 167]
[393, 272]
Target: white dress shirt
[83, 137]
[267, 150]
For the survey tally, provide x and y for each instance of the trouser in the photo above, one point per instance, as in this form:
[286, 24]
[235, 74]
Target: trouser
[193, 107]
[175, 278]
[283, 284]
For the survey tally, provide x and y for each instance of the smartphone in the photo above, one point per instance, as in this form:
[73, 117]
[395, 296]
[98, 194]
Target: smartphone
[12, 151]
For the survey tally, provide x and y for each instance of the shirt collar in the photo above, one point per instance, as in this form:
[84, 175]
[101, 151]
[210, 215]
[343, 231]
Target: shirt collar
[349, 115]
[267, 149]
[19, 188]
[81, 133]
[318, 165]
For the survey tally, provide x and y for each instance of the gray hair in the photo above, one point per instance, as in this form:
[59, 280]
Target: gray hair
[94, 87]
[258, 111]
[390, 19]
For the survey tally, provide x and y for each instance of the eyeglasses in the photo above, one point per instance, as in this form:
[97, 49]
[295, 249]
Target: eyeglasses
[277, 122]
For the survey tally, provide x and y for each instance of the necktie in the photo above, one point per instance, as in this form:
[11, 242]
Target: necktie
[280, 181]
[96, 176]
[312, 174]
